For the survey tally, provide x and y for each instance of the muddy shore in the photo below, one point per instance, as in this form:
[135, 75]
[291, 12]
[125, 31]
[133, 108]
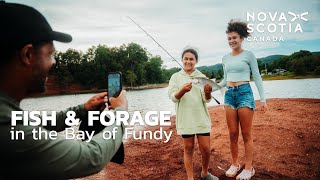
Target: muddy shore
[286, 146]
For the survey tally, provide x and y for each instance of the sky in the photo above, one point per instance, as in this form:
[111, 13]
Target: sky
[180, 24]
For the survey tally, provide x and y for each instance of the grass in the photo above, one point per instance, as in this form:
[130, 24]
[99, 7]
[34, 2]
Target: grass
[288, 75]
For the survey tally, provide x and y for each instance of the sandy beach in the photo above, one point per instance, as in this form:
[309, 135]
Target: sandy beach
[286, 146]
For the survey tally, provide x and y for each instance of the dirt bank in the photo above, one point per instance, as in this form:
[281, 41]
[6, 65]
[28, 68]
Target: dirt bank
[286, 146]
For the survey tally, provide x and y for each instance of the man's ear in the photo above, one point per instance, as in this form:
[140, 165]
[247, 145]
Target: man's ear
[27, 54]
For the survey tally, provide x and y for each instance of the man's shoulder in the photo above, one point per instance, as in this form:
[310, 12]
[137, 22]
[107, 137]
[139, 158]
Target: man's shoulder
[7, 107]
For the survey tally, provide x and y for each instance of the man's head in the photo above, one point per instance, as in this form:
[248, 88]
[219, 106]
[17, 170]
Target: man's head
[26, 45]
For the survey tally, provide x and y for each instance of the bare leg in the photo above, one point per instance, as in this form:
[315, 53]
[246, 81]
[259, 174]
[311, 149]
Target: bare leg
[233, 126]
[204, 146]
[188, 144]
[245, 115]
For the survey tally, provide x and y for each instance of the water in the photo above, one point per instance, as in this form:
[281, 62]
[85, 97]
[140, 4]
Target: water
[157, 99]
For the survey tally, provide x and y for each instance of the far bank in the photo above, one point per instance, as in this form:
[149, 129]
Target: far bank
[52, 87]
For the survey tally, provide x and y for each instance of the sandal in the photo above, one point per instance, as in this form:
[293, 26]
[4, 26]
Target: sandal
[209, 177]
[232, 171]
[246, 174]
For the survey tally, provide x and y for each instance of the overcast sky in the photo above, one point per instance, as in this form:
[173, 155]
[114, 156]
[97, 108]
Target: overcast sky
[177, 24]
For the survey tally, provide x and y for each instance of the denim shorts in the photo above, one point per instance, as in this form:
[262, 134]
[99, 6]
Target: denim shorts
[239, 96]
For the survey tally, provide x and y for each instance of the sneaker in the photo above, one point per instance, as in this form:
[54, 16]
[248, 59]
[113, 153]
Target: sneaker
[209, 177]
[246, 174]
[232, 171]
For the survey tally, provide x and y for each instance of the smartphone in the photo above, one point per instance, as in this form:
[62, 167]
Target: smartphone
[114, 84]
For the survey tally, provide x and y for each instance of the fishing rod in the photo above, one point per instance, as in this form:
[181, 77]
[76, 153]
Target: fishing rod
[155, 41]
[163, 49]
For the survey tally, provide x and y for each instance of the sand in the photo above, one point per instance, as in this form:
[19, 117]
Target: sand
[286, 146]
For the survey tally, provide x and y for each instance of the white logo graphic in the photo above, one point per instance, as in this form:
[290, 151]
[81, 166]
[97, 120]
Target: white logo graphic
[274, 23]
[298, 16]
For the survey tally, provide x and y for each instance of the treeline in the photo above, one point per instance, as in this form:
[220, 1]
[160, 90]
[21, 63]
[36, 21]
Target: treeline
[300, 63]
[90, 69]
[139, 67]
[214, 71]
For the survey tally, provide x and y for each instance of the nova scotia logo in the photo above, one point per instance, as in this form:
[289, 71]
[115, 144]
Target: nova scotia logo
[298, 16]
[274, 23]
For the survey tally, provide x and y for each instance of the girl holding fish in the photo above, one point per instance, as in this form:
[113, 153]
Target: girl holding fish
[192, 116]
[238, 99]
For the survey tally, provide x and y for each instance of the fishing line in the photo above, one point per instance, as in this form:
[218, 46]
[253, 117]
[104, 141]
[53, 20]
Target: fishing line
[155, 41]
[163, 49]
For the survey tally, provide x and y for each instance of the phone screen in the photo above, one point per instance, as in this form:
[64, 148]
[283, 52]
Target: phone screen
[114, 84]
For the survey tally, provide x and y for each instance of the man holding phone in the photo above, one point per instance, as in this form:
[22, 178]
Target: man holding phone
[114, 82]
[26, 56]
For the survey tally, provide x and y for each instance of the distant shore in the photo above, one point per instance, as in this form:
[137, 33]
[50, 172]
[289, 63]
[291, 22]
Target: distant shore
[148, 86]
[279, 77]
[128, 88]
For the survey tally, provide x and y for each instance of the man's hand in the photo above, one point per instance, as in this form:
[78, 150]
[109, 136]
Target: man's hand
[120, 101]
[97, 102]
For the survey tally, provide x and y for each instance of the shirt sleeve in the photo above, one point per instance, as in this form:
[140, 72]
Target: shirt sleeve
[61, 116]
[256, 76]
[223, 82]
[173, 89]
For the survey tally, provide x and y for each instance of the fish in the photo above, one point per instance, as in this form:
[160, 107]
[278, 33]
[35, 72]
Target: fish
[201, 81]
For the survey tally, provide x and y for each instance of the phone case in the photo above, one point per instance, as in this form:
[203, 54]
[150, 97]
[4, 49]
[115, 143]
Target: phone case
[120, 84]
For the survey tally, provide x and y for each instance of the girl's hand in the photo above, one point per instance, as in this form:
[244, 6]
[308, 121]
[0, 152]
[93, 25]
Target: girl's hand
[207, 91]
[186, 87]
[264, 107]
[207, 88]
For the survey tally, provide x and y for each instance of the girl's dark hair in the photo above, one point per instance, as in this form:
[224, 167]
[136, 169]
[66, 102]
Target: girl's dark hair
[238, 27]
[194, 52]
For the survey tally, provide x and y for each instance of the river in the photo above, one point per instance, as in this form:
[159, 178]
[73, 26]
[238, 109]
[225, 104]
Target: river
[157, 99]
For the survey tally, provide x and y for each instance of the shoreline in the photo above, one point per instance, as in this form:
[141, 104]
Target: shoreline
[152, 86]
[286, 146]
[279, 77]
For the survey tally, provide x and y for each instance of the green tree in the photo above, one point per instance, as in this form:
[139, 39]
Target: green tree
[298, 67]
[153, 70]
[131, 77]
[317, 70]
[304, 65]
[207, 73]
[219, 74]
[61, 71]
[136, 60]
[167, 73]
[300, 54]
